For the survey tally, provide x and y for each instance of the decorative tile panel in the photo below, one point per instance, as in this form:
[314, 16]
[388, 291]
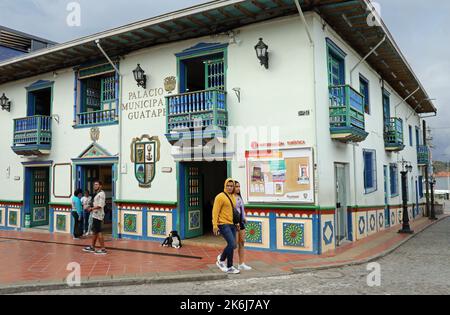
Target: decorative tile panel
[159, 225]
[294, 234]
[253, 232]
[130, 223]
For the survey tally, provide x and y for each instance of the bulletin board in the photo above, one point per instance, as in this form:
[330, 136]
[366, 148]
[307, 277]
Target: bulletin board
[282, 175]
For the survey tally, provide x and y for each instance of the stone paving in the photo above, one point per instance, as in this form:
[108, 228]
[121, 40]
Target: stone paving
[40, 258]
[421, 266]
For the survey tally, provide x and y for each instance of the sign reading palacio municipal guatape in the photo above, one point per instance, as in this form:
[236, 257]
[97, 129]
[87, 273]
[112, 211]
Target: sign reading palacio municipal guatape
[144, 104]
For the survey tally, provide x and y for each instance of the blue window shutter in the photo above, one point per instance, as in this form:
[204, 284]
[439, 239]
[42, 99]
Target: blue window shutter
[421, 187]
[370, 171]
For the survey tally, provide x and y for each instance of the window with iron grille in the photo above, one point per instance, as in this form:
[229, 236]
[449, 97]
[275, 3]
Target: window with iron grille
[97, 96]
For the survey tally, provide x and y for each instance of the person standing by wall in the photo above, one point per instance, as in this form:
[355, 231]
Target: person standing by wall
[98, 215]
[77, 214]
[87, 219]
[241, 227]
[224, 206]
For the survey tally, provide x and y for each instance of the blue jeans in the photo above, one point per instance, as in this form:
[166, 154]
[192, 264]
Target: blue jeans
[86, 215]
[228, 231]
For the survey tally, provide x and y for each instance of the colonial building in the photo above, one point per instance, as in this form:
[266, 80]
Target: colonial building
[311, 106]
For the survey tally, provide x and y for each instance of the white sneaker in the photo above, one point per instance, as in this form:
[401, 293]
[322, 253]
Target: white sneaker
[221, 264]
[233, 271]
[244, 267]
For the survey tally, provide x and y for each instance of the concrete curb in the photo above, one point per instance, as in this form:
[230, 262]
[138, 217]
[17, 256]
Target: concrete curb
[113, 283]
[366, 260]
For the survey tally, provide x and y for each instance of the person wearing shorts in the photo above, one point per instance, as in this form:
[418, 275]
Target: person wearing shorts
[98, 215]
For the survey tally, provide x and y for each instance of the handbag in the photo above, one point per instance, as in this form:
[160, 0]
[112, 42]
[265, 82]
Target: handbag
[237, 218]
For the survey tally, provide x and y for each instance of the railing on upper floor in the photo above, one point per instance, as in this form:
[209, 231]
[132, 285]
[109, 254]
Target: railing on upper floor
[347, 120]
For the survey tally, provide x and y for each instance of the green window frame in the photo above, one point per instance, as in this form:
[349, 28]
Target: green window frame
[364, 88]
[96, 95]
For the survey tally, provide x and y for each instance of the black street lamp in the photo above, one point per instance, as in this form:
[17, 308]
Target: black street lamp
[406, 229]
[433, 210]
[140, 77]
[262, 53]
[5, 103]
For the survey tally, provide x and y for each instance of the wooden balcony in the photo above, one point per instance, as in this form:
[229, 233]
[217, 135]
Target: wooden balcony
[95, 118]
[32, 135]
[200, 115]
[423, 155]
[393, 138]
[347, 121]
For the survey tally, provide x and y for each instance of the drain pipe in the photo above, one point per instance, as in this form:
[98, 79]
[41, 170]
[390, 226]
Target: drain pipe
[119, 112]
[97, 41]
[317, 160]
[302, 16]
[365, 58]
[405, 99]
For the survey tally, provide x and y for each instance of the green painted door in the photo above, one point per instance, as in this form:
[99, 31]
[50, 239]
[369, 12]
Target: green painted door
[40, 197]
[194, 202]
[215, 74]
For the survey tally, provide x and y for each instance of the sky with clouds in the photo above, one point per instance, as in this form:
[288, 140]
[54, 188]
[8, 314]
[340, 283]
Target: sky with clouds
[419, 27]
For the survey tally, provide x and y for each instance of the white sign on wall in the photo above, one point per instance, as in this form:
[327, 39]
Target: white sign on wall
[62, 180]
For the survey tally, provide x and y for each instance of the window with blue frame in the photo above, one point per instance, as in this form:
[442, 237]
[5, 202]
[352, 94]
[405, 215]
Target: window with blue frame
[386, 109]
[393, 174]
[420, 182]
[418, 142]
[97, 95]
[364, 90]
[411, 136]
[336, 64]
[370, 171]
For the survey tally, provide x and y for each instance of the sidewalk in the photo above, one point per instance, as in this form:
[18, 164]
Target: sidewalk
[30, 260]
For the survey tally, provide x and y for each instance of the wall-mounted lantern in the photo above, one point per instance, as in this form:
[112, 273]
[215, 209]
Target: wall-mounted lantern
[262, 53]
[140, 77]
[5, 103]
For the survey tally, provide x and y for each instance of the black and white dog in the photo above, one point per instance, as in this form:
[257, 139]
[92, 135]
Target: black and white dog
[173, 240]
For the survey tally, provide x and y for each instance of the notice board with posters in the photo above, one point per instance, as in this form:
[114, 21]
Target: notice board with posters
[283, 175]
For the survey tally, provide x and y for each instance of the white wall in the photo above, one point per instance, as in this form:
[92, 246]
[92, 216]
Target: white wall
[331, 152]
[269, 98]
[67, 142]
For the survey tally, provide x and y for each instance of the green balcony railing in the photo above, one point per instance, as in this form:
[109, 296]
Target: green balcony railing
[393, 138]
[32, 135]
[196, 114]
[423, 155]
[347, 121]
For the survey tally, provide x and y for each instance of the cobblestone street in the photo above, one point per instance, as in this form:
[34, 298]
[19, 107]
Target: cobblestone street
[421, 266]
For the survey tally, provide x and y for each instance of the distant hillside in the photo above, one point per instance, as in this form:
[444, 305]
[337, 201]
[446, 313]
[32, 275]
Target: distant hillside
[441, 166]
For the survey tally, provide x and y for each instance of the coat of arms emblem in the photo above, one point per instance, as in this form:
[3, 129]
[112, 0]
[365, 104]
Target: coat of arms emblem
[170, 84]
[145, 153]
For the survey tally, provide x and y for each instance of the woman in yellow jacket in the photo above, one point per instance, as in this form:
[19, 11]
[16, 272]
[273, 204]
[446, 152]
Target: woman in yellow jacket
[224, 204]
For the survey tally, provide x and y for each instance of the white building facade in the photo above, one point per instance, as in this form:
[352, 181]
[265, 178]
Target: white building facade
[317, 139]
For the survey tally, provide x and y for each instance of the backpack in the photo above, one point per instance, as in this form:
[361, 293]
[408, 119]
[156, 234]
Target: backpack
[237, 218]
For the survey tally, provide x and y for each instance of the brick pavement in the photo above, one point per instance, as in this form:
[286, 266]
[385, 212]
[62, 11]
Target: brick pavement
[39, 258]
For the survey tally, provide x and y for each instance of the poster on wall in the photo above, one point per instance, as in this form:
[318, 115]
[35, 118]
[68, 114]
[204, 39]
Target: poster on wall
[282, 175]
